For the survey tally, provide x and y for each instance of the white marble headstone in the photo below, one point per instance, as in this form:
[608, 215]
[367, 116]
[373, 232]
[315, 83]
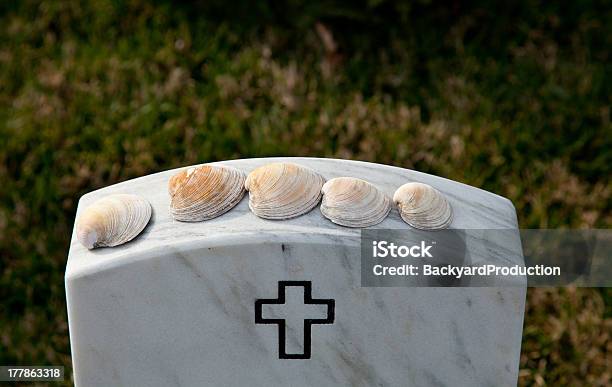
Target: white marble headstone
[178, 306]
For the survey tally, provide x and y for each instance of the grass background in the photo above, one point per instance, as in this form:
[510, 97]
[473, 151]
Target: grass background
[514, 99]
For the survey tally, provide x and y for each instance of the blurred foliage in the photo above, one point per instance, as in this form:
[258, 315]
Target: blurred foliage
[513, 98]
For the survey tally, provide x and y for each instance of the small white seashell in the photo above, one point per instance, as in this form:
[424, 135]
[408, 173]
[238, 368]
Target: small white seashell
[283, 190]
[205, 192]
[113, 220]
[353, 202]
[423, 207]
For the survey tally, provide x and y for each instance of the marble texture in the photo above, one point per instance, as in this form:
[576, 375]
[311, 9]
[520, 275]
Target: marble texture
[175, 307]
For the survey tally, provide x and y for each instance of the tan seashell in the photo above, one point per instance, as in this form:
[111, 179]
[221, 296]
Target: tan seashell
[205, 192]
[113, 220]
[283, 190]
[353, 202]
[423, 207]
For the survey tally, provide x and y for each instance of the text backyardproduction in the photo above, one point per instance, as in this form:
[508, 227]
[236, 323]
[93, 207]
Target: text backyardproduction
[389, 250]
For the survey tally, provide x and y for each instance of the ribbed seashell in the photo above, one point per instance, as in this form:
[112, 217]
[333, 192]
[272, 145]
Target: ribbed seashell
[113, 220]
[205, 192]
[283, 190]
[353, 202]
[423, 207]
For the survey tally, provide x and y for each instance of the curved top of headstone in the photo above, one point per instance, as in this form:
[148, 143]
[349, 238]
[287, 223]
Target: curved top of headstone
[473, 209]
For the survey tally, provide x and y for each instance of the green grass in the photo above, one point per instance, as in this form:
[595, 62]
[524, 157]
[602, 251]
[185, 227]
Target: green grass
[512, 99]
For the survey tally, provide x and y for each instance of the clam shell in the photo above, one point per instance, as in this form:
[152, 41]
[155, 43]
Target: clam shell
[353, 202]
[205, 192]
[423, 207]
[283, 190]
[113, 220]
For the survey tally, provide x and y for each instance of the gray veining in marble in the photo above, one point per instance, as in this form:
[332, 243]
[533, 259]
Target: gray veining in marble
[175, 307]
